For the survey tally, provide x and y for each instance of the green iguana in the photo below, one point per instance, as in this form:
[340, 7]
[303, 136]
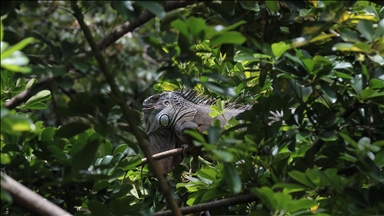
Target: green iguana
[169, 114]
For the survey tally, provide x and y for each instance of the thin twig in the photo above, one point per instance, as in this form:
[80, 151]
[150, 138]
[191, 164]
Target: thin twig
[212, 205]
[142, 19]
[162, 155]
[127, 113]
[28, 199]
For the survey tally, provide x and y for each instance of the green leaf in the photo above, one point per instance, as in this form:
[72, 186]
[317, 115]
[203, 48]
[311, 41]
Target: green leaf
[358, 84]
[300, 204]
[17, 47]
[34, 106]
[250, 57]
[329, 135]
[16, 124]
[15, 62]
[1, 33]
[130, 162]
[39, 97]
[357, 47]
[97, 208]
[380, 29]
[5, 158]
[5, 196]
[356, 196]
[213, 134]
[367, 93]
[328, 91]
[349, 140]
[350, 36]
[279, 48]
[196, 26]
[227, 38]
[309, 64]
[213, 194]
[289, 187]
[232, 178]
[119, 172]
[120, 149]
[233, 26]
[301, 178]
[379, 143]
[124, 191]
[99, 185]
[366, 29]
[376, 83]
[207, 173]
[181, 27]
[84, 157]
[152, 6]
[126, 10]
[273, 5]
[282, 201]
[30, 83]
[71, 129]
[57, 152]
[266, 195]
[379, 158]
[11, 148]
[4, 112]
[223, 155]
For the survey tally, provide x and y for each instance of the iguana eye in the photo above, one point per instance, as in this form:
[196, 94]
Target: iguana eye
[164, 120]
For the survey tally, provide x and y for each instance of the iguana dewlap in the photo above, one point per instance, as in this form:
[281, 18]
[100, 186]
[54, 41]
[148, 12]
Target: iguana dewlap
[168, 115]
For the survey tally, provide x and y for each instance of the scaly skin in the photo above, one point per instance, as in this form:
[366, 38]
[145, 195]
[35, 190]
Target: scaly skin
[169, 114]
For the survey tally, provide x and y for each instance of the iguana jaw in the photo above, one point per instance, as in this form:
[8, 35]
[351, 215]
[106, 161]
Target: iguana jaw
[148, 108]
[150, 103]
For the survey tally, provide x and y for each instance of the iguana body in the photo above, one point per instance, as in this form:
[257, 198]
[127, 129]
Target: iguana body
[169, 114]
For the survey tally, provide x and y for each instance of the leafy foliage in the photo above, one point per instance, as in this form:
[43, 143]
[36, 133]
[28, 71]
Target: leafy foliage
[318, 63]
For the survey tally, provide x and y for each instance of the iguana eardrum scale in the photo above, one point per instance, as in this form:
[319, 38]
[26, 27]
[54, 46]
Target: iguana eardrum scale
[169, 114]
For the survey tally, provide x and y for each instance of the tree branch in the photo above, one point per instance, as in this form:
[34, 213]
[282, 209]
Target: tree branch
[28, 199]
[28, 93]
[142, 19]
[127, 113]
[162, 155]
[212, 205]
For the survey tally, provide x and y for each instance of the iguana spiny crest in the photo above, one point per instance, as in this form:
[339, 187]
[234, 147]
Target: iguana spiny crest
[169, 114]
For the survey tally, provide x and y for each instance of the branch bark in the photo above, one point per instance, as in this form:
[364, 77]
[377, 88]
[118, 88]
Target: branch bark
[142, 19]
[125, 109]
[28, 199]
[163, 155]
[212, 205]
[28, 93]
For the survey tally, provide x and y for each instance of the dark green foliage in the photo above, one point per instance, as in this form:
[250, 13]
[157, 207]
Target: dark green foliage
[319, 63]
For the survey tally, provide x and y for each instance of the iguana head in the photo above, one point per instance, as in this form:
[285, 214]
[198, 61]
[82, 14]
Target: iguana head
[157, 111]
[163, 110]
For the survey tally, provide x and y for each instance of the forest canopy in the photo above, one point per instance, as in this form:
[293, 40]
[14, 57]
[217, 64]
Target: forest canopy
[74, 75]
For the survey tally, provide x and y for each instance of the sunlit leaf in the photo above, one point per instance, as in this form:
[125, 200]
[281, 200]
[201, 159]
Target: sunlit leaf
[15, 49]
[39, 97]
[279, 48]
